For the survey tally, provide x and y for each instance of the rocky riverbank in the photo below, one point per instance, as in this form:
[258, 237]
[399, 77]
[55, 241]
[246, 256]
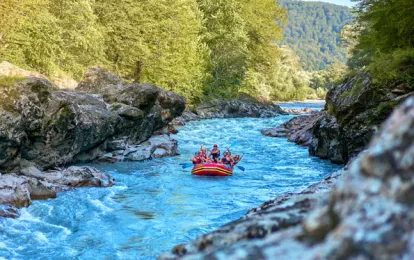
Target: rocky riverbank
[363, 211]
[352, 114]
[43, 128]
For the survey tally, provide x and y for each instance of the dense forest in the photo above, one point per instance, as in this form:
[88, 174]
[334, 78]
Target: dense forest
[382, 41]
[313, 32]
[199, 48]
[206, 49]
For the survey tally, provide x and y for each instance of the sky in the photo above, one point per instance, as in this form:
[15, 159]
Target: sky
[338, 2]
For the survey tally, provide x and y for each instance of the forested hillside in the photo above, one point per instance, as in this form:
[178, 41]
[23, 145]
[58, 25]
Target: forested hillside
[313, 32]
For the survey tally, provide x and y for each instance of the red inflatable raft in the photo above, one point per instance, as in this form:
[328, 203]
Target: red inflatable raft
[212, 169]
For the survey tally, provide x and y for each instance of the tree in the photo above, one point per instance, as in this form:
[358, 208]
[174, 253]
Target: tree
[227, 40]
[156, 42]
[385, 45]
[30, 35]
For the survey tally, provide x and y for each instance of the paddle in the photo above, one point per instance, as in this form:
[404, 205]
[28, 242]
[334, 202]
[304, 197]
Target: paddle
[186, 165]
[241, 168]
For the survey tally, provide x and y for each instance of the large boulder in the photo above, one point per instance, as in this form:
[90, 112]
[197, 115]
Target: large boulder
[367, 215]
[48, 126]
[220, 108]
[298, 129]
[44, 126]
[14, 191]
[358, 107]
[328, 140]
[76, 176]
[143, 108]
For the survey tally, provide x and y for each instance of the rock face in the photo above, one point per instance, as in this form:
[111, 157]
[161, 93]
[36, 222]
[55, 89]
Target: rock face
[157, 146]
[237, 108]
[367, 215]
[356, 108]
[298, 129]
[43, 126]
[221, 108]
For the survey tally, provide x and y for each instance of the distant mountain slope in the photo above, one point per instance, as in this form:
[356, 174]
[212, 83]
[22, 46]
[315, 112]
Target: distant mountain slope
[313, 32]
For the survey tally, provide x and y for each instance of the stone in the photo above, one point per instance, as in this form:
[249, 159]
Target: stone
[156, 147]
[298, 129]
[8, 211]
[14, 191]
[99, 80]
[75, 176]
[40, 190]
[357, 107]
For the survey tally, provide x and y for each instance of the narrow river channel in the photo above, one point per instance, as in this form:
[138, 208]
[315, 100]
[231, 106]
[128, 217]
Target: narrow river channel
[157, 204]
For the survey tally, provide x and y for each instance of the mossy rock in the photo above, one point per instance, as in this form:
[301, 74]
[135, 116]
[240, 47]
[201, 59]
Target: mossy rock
[9, 93]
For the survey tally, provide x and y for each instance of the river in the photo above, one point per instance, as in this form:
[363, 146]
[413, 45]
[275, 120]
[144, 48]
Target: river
[156, 204]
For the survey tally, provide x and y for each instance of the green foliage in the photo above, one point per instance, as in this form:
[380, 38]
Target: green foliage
[198, 48]
[8, 81]
[385, 45]
[313, 32]
[327, 79]
[155, 41]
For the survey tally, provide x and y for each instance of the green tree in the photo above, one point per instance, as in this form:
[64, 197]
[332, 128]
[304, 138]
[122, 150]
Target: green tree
[30, 35]
[313, 32]
[81, 37]
[225, 35]
[155, 41]
[385, 45]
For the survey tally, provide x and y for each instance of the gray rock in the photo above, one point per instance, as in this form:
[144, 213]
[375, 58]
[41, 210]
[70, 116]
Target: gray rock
[31, 172]
[298, 129]
[40, 190]
[99, 80]
[359, 107]
[156, 147]
[14, 191]
[237, 108]
[43, 127]
[75, 176]
[8, 211]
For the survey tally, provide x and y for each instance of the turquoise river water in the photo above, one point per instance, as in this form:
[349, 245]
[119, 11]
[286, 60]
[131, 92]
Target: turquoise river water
[156, 204]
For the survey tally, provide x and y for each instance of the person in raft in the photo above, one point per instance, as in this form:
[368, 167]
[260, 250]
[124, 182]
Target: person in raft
[196, 159]
[236, 159]
[215, 153]
[227, 159]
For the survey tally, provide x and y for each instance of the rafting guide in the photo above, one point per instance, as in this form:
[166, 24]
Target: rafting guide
[211, 164]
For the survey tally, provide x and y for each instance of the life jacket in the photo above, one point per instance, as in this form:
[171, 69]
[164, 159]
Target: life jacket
[225, 161]
[215, 155]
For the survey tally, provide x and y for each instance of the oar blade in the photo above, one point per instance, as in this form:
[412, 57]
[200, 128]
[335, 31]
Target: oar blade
[185, 165]
[241, 168]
